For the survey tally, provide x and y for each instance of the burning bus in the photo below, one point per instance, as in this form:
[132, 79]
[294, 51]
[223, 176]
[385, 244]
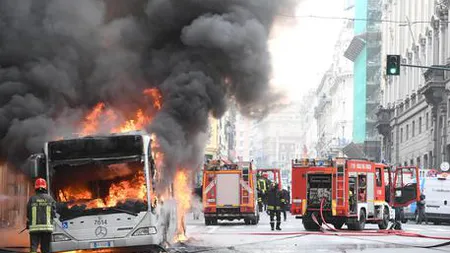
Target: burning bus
[105, 189]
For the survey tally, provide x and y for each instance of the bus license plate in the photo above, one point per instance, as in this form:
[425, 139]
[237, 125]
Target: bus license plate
[96, 245]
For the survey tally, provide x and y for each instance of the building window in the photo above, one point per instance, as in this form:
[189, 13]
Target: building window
[401, 135]
[407, 132]
[413, 129]
[420, 125]
[427, 121]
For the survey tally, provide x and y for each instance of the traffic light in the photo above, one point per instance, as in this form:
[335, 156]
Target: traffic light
[393, 65]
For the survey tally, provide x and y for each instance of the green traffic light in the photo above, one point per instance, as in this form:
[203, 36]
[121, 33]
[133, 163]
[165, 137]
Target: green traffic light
[393, 70]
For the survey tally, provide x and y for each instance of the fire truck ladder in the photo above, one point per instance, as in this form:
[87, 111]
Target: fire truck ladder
[340, 185]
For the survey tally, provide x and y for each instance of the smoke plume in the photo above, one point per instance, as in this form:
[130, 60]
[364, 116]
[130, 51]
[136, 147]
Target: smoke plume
[58, 58]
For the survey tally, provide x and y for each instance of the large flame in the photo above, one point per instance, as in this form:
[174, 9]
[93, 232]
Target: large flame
[103, 119]
[183, 196]
[117, 192]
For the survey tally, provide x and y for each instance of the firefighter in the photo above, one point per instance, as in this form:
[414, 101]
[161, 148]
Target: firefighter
[268, 183]
[41, 210]
[260, 200]
[262, 186]
[421, 215]
[274, 199]
[285, 202]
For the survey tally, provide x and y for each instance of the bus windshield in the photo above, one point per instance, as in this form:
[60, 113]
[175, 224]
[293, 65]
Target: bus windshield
[90, 188]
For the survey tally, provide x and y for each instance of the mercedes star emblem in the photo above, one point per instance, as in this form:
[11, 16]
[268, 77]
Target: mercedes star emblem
[101, 231]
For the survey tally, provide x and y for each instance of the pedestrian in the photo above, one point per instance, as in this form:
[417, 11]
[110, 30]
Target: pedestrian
[41, 210]
[285, 202]
[421, 215]
[274, 198]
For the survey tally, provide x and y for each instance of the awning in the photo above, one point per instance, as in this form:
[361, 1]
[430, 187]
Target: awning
[354, 150]
[354, 49]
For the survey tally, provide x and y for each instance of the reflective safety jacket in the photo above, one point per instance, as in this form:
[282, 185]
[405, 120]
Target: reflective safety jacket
[274, 199]
[262, 185]
[286, 196]
[41, 210]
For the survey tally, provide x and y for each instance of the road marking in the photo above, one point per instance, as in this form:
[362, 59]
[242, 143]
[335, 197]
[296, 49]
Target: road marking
[213, 229]
[413, 229]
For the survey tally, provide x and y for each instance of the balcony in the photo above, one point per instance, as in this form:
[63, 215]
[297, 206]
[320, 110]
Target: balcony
[434, 87]
[384, 116]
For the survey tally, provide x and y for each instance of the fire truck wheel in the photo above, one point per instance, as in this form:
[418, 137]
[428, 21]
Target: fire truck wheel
[214, 221]
[208, 221]
[309, 224]
[385, 222]
[338, 224]
[247, 221]
[358, 224]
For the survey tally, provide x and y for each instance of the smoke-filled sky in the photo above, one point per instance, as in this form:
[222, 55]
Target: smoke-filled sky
[58, 58]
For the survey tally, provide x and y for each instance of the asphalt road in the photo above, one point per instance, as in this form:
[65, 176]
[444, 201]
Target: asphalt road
[235, 237]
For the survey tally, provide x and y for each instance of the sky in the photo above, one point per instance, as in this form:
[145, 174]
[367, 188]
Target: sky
[302, 48]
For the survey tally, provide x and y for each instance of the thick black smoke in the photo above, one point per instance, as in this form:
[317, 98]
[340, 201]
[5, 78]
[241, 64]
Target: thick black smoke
[58, 58]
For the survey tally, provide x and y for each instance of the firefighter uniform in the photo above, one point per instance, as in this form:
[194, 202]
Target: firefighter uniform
[285, 202]
[41, 210]
[260, 202]
[274, 199]
[262, 192]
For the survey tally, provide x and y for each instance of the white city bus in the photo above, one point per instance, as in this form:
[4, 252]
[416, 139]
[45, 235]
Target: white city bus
[104, 189]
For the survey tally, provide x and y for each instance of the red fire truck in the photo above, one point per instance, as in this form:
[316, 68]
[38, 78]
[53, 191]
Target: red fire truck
[229, 192]
[274, 175]
[349, 191]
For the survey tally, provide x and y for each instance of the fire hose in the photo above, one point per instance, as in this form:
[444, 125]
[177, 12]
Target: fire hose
[380, 232]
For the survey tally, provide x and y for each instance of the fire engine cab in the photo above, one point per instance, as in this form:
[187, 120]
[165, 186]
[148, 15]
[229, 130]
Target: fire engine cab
[273, 174]
[229, 192]
[349, 191]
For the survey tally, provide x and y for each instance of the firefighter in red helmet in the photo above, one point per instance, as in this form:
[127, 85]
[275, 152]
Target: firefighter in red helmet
[41, 210]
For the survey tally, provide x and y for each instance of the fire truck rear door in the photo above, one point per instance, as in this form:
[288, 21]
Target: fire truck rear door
[228, 189]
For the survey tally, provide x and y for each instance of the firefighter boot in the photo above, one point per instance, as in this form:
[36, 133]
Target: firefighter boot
[272, 225]
[278, 225]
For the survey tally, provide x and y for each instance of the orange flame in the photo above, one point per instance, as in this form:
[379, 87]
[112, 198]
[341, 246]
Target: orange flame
[183, 197]
[126, 189]
[156, 97]
[90, 125]
[108, 118]
[139, 122]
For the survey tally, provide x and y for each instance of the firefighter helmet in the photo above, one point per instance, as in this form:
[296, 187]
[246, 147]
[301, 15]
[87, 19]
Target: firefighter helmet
[40, 184]
[265, 175]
